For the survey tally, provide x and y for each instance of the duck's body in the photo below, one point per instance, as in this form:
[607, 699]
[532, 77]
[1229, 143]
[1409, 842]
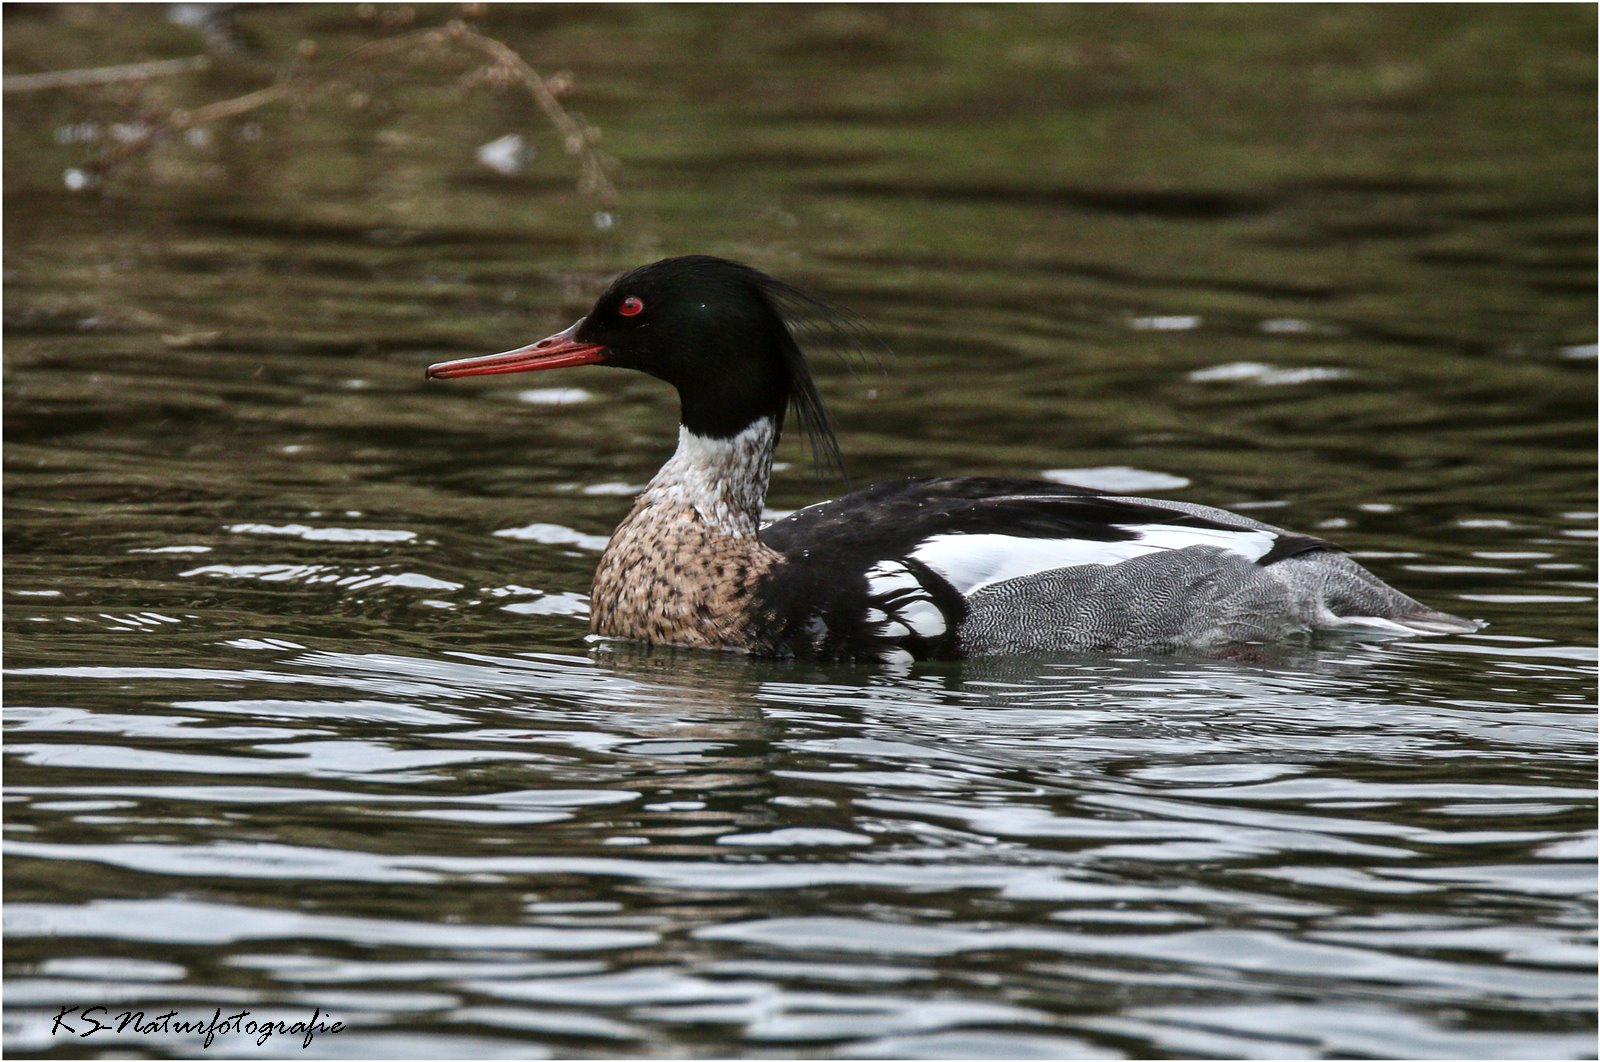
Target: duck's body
[915, 569]
[941, 568]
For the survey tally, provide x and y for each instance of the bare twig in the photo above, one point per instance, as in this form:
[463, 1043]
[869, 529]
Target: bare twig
[103, 75]
[577, 138]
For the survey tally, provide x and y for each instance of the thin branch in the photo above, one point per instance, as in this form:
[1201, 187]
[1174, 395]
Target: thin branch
[103, 75]
[577, 138]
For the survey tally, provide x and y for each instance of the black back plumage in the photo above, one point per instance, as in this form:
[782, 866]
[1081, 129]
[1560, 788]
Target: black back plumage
[889, 519]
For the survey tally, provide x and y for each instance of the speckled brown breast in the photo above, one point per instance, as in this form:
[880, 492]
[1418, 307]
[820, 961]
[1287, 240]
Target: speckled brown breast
[667, 576]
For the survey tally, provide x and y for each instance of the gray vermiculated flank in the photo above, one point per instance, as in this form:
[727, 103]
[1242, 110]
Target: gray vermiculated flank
[1197, 597]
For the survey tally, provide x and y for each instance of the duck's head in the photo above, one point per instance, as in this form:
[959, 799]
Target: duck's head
[718, 331]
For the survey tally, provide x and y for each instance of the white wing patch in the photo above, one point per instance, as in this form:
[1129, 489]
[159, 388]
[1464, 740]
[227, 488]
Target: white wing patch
[904, 607]
[971, 562]
[924, 617]
[889, 577]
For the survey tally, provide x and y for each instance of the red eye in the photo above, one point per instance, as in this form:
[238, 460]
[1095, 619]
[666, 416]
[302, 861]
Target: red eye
[632, 306]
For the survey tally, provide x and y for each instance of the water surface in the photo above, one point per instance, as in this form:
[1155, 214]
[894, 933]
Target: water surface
[301, 711]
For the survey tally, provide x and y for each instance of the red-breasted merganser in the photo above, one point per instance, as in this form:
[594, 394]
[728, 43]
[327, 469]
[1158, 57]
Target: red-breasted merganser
[915, 569]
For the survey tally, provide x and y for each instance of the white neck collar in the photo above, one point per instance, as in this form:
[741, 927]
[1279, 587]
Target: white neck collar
[724, 480]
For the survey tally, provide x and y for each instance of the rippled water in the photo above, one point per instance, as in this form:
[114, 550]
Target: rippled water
[300, 708]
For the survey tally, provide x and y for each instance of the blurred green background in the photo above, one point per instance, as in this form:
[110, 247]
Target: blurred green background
[1333, 265]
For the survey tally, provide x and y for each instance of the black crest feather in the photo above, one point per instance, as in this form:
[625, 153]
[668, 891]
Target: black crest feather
[811, 317]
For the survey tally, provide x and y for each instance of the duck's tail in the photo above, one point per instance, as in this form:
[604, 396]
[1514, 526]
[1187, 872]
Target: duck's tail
[1351, 596]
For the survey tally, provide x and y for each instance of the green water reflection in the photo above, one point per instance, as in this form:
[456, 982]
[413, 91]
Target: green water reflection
[1336, 262]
